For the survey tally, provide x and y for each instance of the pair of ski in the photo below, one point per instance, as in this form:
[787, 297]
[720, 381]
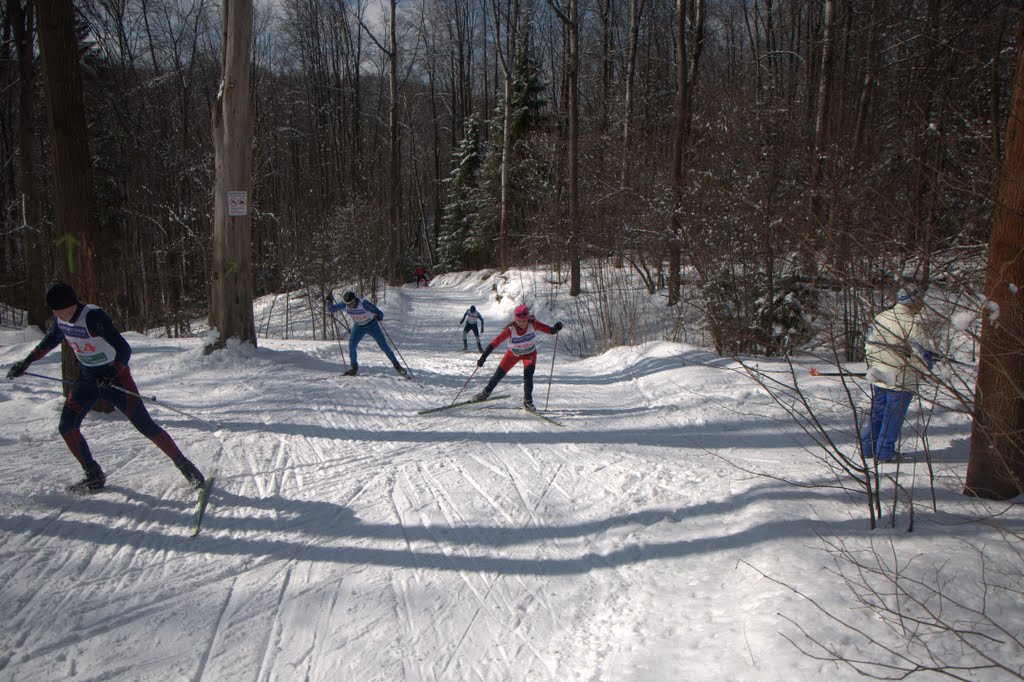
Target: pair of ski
[475, 401]
[197, 515]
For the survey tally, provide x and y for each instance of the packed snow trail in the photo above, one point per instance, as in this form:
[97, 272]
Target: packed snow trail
[350, 538]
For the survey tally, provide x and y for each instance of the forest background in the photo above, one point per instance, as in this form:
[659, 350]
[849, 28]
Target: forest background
[763, 150]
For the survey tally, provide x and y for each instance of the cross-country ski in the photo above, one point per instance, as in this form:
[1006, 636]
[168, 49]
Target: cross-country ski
[202, 501]
[462, 403]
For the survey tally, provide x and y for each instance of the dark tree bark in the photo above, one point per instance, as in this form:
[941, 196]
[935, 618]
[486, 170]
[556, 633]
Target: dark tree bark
[995, 468]
[69, 147]
[74, 219]
[687, 62]
[21, 19]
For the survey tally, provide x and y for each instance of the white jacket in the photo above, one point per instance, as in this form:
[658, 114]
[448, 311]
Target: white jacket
[896, 349]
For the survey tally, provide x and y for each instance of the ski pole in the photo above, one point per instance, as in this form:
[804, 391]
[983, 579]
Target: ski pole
[815, 373]
[151, 399]
[43, 376]
[337, 337]
[554, 351]
[452, 337]
[472, 374]
[395, 346]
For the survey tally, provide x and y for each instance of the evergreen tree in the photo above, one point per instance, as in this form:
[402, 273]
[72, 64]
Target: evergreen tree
[528, 114]
[456, 245]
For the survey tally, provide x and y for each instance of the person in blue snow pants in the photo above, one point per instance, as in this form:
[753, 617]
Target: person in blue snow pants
[898, 356]
[882, 433]
[365, 321]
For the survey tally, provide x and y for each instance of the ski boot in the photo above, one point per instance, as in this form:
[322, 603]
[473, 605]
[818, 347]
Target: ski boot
[529, 406]
[400, 370]
[482, 395]
[94, 480]
[351, 371]
[190, 472]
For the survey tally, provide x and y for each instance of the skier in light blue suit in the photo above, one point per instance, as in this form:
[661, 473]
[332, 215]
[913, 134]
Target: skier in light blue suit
[365, 320]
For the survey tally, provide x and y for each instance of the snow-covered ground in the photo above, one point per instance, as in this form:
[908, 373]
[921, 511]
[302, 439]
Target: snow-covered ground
[350, 538]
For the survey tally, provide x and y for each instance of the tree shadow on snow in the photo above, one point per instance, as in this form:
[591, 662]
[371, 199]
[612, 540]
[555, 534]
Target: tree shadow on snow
[290, 529]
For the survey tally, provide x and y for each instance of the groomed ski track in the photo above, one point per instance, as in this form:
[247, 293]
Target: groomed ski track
[349, 538]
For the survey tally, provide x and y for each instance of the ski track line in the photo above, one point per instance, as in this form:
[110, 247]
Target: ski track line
[480, 489]
[451, 513]
[272, 642]
[213, 642]
[391, 486]
[316, 650]
[401, 596]
[498, 471]
[531, 512]
[596, 558]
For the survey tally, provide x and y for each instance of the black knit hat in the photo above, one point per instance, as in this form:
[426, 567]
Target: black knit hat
[60, 295]
[349, 297]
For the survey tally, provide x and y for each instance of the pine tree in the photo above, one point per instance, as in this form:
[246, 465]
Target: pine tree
[455, 244]
[528, 105]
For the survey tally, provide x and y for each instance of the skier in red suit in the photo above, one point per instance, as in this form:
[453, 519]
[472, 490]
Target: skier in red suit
[521, 335]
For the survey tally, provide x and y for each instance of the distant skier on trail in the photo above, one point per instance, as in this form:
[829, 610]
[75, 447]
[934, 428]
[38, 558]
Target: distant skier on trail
[898, 355]
[471, 317]
[521, 335]
[421, 275]
[103, 355]
[365, 320]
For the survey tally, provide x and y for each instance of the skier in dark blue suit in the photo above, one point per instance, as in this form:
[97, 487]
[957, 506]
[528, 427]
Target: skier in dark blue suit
[103, 355]
[365, 320]
[471, 317]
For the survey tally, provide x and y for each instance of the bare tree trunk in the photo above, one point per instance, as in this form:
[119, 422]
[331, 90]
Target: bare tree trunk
[72, 169]
[627, 122]
[507, 57]
[394, 151]
[575, 237]
[687, 62]
[818, 153]
[69, 148]
[232, 293]
[22, 21]
[995, 468]
[506, 160]
[868, 84]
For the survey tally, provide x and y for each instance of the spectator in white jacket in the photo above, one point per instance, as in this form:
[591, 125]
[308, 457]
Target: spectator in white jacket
[898, 355]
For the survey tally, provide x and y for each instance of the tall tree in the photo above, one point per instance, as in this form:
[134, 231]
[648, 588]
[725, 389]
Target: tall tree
[507, 15]
[569, 15]
[74, 219]
[69, 146]
[687, 61]
[232, 291]
[21, 19]
[819, 166]
[396, 243]
[995, 468]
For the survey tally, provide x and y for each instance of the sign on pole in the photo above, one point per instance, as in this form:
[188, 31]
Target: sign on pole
[238, 203]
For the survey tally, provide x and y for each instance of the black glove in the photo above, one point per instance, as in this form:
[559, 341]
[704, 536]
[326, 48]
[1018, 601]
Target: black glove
[378, 317]
[17, 369]
[557, 328]
[117, 374]
[483, 357]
